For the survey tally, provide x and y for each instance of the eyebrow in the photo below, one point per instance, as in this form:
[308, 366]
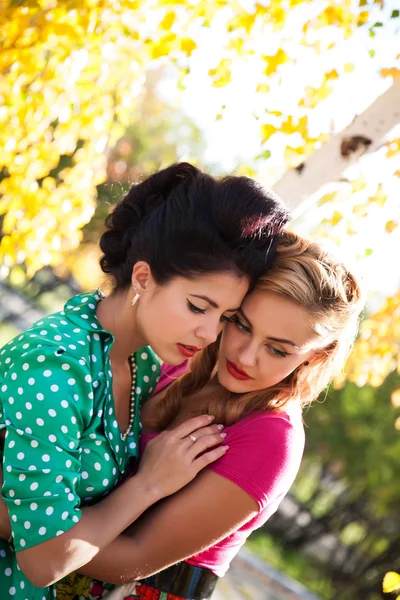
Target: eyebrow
[274, 339]
[213, 303]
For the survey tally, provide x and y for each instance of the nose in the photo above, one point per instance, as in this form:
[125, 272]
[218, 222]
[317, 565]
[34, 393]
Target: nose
[247, 355]
[209, 331]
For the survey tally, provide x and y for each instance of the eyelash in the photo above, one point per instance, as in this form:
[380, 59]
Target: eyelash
[239, 324]
[235, 319]
[277, 352]
[195, 308]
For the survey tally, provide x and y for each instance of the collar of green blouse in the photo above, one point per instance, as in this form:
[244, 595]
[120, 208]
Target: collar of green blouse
[81, 310]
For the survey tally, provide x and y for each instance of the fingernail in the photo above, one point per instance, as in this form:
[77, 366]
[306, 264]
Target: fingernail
[220, 427]
[225, 448]
[210, 417]
[223, 435]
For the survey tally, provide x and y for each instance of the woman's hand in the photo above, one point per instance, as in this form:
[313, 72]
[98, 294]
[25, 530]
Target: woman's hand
[5, 527]
[174, 457]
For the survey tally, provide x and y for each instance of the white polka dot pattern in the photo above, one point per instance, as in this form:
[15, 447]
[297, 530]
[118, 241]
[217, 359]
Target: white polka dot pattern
[63, 444]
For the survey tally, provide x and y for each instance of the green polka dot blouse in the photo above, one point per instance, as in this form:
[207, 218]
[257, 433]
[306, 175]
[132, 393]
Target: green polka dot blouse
[63, 447]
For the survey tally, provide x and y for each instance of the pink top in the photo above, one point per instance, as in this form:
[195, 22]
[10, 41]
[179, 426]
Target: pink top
[265, 451]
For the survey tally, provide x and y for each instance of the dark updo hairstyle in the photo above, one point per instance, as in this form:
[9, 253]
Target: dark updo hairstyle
[186, 223]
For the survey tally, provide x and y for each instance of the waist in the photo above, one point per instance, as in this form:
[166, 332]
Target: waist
[184, 580]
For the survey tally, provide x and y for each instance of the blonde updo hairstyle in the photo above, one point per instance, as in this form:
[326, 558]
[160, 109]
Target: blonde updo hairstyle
[307, 275]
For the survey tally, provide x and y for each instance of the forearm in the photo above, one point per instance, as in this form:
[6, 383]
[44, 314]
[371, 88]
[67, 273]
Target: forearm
[204, 512]
[99, 526]
[125, 560]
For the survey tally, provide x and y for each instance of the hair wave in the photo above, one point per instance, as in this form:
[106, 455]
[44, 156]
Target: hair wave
[304, 273]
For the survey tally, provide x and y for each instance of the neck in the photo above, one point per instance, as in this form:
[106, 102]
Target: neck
[116, 315]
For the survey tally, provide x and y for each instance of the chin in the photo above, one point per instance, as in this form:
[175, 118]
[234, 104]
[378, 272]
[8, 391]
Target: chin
[231, 384]
[169, 355]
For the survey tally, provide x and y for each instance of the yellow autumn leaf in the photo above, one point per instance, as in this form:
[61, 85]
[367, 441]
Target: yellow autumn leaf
[187, 46]
[164, 46]
[237, 45]
[391, 582]
[247, 171]
[350, 229]
[393, 148]
[266, 131]
[391, 226]
[332, 75]
[244, 21]
[358, 184]
[392, 72]
[170, 2]
[313, 96]
[363, 17]
[222, 73]
[262, 88]
[168, 21]
[380, 196]
[327, 198]
[348, 68]
[292, 126]
[360, 210]
[274, 61]
[64, 30]
[336, 217]
[277, 15]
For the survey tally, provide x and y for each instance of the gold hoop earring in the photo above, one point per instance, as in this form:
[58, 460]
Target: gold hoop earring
[136, 297]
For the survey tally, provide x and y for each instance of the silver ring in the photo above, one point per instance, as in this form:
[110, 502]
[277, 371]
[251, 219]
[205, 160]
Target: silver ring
[193, 438]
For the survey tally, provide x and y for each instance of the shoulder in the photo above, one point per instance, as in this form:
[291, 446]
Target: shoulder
[266, 428]
[264, 456]
[74, 331]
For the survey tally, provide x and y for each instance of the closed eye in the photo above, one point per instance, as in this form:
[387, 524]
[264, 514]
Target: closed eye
[195, 309]
[276, 352]
[239, 324]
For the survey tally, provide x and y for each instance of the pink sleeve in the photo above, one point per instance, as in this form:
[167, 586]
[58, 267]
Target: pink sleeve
[264, 455]
[169, 373]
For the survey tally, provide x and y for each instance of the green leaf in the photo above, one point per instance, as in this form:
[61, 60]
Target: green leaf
[264, 155]
[395, 14]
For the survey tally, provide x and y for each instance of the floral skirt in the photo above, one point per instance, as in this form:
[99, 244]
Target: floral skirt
[145, 592]
[80, 587]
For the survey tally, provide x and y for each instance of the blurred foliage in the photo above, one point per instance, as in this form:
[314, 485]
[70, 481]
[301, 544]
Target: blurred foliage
[338, 531]
[377, 351]
[347, 490]
[137, 153]
[351, 433]
[73, 71]
[294, 564]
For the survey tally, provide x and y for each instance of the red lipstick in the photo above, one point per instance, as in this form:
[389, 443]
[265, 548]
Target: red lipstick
[187, 351]
[236, 372]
